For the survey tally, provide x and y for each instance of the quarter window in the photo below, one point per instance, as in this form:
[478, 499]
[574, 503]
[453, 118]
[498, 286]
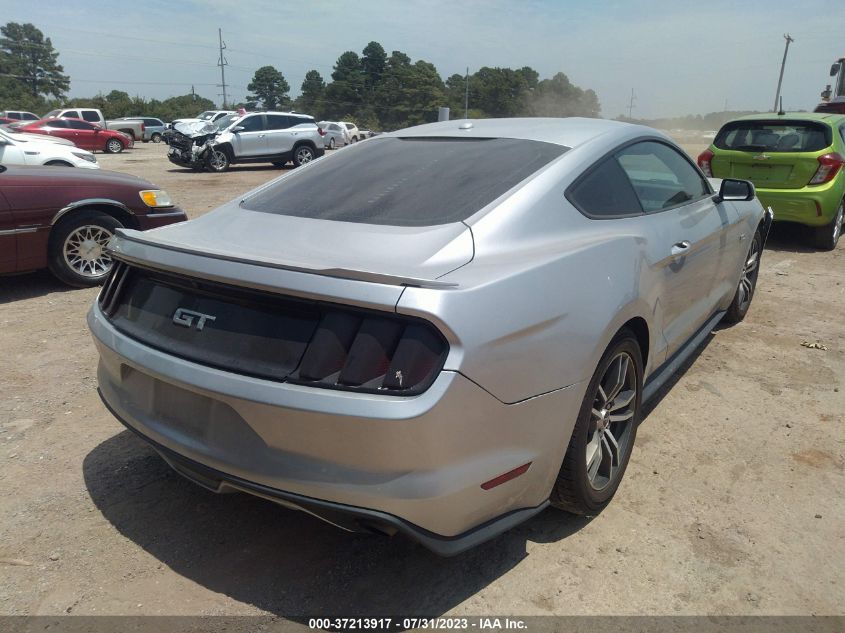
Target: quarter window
[661, 177]
[605, 192]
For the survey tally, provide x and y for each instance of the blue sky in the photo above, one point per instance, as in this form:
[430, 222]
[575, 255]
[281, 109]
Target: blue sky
[680, 57]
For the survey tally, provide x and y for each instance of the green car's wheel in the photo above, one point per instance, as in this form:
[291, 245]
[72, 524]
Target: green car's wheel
[827, 237]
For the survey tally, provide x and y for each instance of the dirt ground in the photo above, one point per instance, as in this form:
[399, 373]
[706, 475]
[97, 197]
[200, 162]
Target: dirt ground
[732, 503]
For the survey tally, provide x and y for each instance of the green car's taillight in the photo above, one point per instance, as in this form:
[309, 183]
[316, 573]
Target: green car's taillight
[829, 166]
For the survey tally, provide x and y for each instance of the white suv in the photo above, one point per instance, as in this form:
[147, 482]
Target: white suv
[258, 137]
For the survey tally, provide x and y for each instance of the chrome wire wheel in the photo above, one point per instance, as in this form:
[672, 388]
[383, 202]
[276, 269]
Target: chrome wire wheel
[84, 251]
[611, 421]
[304, 155]
[748, 278]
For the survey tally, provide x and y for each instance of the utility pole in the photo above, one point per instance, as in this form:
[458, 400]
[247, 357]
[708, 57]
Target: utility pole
[222, 63]
[631, 103]
[789, 40]
[466, 96]
[193, 93]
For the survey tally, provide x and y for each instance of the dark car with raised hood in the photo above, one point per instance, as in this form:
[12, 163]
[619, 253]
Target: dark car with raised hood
[62, 218]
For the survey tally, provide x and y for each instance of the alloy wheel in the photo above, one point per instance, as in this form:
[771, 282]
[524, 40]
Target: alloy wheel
[837, 224]
[611, 421]
[85, 252]
[303, 155]
[749, 275]
[115, 146]
[218, 160]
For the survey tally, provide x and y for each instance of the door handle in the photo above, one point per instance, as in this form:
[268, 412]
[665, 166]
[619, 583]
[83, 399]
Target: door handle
[261, 135]
[680, 248]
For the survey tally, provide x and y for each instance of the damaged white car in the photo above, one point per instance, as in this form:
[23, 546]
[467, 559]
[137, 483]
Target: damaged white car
[258, 137]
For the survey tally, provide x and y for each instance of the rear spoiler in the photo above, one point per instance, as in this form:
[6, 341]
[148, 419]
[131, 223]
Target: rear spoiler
[130, 246]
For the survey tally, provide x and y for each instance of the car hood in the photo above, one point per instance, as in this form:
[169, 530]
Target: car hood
[195, 129]
[386, 254]
[40, 138]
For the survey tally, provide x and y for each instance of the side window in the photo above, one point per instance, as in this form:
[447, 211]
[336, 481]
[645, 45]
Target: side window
[661, 176]
[349, 126]
[334, 128]
[14, 115]
[252, 124]
[842, 131]
[605, 191]
[88, 115]
[277, 122]
[70, 114]
[58, 123]
[78, 125]
[28, 116]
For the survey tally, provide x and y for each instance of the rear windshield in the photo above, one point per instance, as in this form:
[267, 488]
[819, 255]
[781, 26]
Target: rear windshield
[774, 136]
[406, 181]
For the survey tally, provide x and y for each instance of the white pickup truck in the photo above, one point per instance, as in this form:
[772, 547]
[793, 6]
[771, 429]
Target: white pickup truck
[135, 129]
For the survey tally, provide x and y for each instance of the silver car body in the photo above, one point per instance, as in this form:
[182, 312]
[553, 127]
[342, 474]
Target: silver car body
[527, 291]
[333, 131]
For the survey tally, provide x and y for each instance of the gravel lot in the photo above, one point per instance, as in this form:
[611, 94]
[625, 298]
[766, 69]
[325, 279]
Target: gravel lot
[732, 503]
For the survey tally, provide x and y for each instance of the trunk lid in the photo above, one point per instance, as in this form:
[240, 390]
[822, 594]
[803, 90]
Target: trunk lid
[342, 249]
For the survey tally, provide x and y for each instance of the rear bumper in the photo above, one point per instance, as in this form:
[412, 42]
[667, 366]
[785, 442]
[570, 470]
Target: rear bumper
[408, 464]
[345, 517]
[813, 206]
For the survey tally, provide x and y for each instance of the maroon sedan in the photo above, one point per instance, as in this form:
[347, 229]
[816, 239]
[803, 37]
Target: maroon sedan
[61, 218]
[84, 134]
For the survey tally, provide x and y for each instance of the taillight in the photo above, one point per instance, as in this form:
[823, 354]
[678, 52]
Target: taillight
[142, 127]
[829, 166]
[704, 160]
[321, 131]
[365, 352]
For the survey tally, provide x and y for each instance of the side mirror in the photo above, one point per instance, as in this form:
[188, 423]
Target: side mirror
[733, 189]
[238, 128]
[834, 69]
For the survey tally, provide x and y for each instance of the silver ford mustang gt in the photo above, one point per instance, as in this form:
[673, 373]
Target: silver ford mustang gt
[463, 336]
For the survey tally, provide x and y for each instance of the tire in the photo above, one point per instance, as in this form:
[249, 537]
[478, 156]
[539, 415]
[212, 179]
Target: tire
[57, 163]
[156, 138]
[585, 485]
[113, 146]
[303, 155]
[827, 237]
[747, 282]
[76, 253]
[217, 160]
[332, 143]
[279, 163]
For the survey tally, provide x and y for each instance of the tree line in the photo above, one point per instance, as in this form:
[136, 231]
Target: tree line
[381, 91]
[375, 90]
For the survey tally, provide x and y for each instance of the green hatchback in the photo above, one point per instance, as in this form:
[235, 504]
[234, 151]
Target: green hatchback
[795, 161]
